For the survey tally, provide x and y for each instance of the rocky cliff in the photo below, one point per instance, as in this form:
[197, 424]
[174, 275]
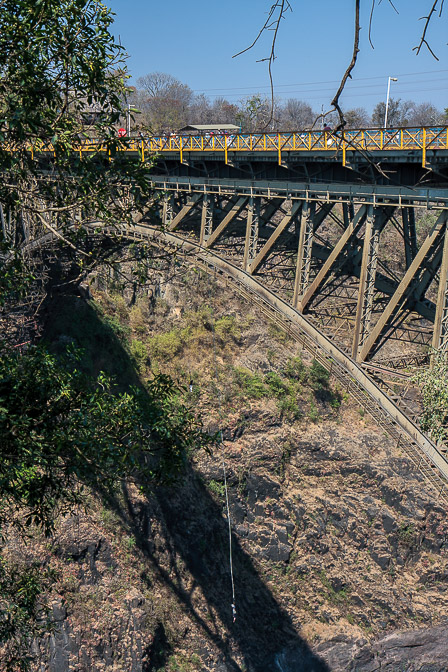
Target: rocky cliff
[338, 548]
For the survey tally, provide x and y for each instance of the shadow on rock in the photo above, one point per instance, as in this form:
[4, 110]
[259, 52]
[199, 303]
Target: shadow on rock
[196, 539]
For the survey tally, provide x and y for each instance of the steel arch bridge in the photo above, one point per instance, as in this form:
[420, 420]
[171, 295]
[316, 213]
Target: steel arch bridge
[342, 238]
[345, 246]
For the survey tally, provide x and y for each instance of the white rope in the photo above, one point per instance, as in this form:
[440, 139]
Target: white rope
[224, 471]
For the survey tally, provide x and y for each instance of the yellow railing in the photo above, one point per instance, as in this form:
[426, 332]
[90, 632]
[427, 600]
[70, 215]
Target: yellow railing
[363, 140]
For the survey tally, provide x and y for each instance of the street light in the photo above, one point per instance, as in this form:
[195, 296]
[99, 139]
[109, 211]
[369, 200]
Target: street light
[391, 79]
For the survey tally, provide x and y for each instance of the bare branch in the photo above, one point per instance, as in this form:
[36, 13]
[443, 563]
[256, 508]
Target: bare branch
[370, 23]
[347, 74]
[271, 23]
[423, 40]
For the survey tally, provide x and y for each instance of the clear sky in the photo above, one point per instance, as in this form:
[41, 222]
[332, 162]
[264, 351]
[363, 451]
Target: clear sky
[194, 40]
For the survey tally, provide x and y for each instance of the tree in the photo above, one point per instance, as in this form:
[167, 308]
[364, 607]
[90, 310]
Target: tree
[254, 113]
[357, 118]
[295, 114]
[425, 114]
[62, 80]
[398, 113]
[223, 111]
[57, 62]
[166, 101]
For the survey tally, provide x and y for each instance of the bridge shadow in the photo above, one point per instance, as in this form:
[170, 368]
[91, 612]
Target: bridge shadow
[191, 536]
[196, 565]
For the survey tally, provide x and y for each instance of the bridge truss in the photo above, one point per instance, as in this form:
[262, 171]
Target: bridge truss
[359, 266]
[352, 276]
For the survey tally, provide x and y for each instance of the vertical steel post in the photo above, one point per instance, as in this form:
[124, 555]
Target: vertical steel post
[409, 234]
[206, 218]
[304, 252]
[252, 228]
[168, 209]
[366, 279]
[440, 335]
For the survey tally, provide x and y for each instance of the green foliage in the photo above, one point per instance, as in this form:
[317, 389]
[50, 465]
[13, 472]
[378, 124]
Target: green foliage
[167, 345]
[59, 429]
[250, 384]
[433, 383]
[406, 534]
[313, 413]
[337, 597]
[23, 612]
[227, 327]
[289, 408]
[139, 353]
[217, 488]
[318, 376]
[58, 61]
[296, 370]
[276, 385]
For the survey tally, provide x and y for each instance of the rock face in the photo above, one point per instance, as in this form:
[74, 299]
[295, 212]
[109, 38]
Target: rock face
[338, 549]
[411, 651]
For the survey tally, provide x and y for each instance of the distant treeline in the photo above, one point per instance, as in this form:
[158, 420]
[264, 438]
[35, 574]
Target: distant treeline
[165, 104]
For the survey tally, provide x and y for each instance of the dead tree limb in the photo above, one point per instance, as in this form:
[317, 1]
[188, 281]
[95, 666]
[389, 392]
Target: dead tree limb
[276, 13]
[423, 40]
[347, 74]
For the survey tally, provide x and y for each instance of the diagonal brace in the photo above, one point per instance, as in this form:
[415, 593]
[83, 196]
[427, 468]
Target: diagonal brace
[184, 211]
[230, 216]
[400, 294]
[353, 227]
[295, 209]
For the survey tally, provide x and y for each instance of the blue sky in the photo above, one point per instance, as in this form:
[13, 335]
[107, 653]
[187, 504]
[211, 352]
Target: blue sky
[194, 40]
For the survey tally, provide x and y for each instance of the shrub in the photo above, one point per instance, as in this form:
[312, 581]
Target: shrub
[199, 318]
[318, 376]
[296, 370]
[289, 408]
[227, 327]
[118, 305]
[166, 346]
[139, 352]
[137, 319]
[313, 413]
[276, 385]
[251, 384]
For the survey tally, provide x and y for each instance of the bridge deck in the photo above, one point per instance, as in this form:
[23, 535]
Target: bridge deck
[409, 145]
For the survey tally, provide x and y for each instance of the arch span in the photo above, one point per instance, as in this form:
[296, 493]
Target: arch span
[427, 457]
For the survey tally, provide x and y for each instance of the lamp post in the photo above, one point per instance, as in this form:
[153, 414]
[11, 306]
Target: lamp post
[391, 79]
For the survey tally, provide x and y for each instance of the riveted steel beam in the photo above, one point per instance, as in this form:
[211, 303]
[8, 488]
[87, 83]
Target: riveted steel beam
[261, 256]
[184, 211]
[230, 216]
[409, 234]
[208, 204]
[252, 231]
[440, 334]
[404, 289]
[271, 207]
[168, 210]
[304, 252]
[367, 279]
